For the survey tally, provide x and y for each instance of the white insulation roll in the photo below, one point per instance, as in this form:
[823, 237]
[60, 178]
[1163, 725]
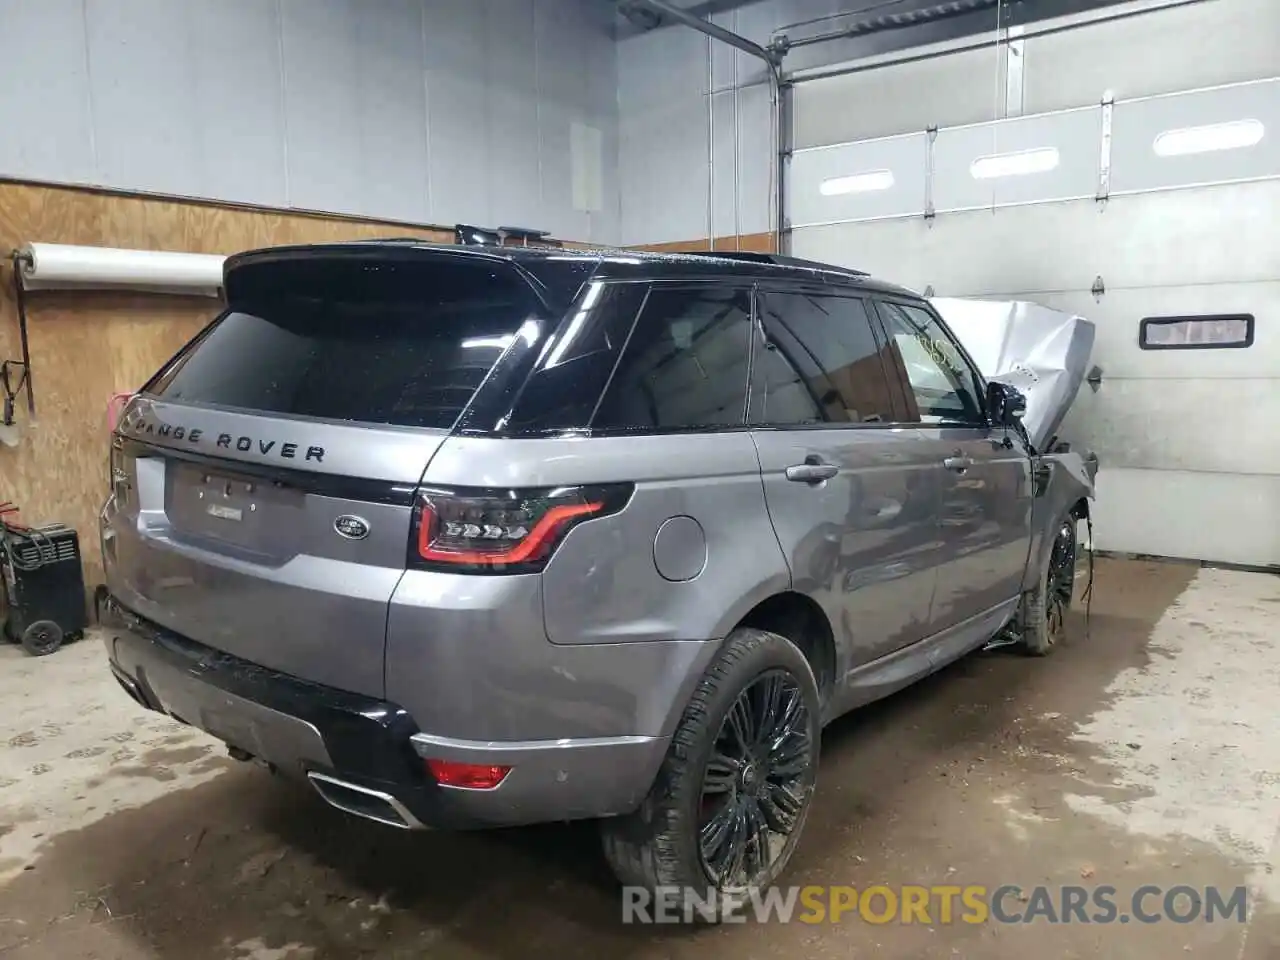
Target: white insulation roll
[56, 266]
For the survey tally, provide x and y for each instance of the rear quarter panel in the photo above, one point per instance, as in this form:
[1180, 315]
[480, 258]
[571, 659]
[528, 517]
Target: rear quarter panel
[603, 585]
[599, 644]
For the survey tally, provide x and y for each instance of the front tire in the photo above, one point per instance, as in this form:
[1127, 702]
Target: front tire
[1045, 610]
[729, 803]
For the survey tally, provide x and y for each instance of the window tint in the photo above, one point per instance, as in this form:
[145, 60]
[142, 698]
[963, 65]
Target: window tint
[402, 342]
[574, 369]
[685, 365]
[943, 386]
[835, 370]
[780, 393]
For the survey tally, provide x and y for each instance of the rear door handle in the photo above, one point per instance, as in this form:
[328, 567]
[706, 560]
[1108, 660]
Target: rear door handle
[812, 472]
[958, 464]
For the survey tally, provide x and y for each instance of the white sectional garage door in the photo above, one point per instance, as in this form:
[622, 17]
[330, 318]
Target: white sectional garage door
[1186, 237]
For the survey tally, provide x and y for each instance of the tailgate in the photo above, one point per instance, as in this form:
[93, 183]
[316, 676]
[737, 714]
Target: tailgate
[290, 570]
[263, 482]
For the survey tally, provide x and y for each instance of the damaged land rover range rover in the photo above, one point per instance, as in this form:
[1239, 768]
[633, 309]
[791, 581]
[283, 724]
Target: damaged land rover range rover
[476, 536]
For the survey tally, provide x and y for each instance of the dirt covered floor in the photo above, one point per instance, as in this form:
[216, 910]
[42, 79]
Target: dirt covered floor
[1145, 753]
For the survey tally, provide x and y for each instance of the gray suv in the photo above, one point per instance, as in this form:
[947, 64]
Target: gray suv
[477, 536]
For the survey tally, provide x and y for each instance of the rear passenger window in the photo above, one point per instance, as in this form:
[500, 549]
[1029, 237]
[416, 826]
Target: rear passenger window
[685, 365]
[833, 363]
[576, 364]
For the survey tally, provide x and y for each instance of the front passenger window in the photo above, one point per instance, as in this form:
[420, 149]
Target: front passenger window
[943, 387]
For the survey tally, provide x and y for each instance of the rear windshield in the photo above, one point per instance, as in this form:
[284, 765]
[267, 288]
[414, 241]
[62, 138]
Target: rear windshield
[403, 342]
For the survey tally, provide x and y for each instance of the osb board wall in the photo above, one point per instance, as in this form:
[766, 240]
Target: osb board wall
[85, 346]
[748, 242]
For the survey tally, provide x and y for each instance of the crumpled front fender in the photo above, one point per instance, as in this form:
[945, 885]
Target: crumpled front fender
[1065, 483]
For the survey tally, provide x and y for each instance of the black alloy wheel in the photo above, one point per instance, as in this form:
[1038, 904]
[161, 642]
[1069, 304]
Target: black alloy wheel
[757, 782]
[1061, 579]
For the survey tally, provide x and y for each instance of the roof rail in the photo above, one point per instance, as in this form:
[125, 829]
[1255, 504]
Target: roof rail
[778, 259]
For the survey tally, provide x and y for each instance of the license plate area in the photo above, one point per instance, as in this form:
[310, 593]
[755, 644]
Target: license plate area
[250, 513]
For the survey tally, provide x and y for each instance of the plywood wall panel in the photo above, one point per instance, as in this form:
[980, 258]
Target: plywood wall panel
[87, 345]
[747, 243]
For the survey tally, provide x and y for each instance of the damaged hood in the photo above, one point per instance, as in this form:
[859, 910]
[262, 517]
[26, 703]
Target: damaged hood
[1042, 352]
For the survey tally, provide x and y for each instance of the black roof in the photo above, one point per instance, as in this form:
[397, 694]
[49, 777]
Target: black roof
[604, 262]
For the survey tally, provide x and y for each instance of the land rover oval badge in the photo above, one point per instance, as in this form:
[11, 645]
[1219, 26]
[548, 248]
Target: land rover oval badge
[353, 528]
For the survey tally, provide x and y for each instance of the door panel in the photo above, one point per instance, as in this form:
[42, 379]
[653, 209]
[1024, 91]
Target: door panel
[852, 498]
[984, 521]
[985, 486]
[864, 543]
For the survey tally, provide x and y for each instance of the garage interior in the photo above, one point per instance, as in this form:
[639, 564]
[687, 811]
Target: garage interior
[1114, 159]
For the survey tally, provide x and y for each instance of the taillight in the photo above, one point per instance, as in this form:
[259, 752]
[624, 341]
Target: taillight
[512, 531]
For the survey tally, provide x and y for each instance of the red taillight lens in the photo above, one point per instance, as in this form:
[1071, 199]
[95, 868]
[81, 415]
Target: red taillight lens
[470, 776]
[510, 532]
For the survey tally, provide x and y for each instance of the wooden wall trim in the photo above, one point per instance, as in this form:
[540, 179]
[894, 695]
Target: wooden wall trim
[752, 242]
[442, 230]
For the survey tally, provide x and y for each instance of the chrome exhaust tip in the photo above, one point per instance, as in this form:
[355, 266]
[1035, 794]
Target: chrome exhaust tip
[363, 802]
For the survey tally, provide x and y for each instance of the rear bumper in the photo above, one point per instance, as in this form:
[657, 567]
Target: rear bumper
[366, 755]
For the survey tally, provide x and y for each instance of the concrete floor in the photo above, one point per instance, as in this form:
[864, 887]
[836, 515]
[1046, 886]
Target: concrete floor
[1143, 753]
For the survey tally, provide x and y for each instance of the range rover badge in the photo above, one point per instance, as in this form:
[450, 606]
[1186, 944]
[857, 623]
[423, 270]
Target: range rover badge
[353, 528]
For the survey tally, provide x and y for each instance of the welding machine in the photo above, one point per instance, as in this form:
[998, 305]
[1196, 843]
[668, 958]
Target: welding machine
[43, 585]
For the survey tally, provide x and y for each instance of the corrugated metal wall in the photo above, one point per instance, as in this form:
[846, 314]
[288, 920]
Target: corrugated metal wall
[425, 111]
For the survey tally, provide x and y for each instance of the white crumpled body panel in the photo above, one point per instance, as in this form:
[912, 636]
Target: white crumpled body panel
[1044, 353]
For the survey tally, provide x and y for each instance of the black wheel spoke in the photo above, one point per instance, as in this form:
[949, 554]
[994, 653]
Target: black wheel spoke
[790, 769]
[789, 758]
[781, 808]
[722, 773]
[715, 833]
[757, 857]
[736, 851]
[741, 725]
[770, 710]
[787, 720]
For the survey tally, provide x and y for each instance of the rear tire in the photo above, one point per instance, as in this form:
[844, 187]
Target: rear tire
[42, 638]
[729, 803]
[1044, 611]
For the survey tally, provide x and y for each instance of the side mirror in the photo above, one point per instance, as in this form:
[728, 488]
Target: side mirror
[1007, 404]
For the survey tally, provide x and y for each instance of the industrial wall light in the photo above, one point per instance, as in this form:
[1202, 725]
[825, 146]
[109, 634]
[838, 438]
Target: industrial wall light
[1234, 135]
[858, 183]
[1022, 163]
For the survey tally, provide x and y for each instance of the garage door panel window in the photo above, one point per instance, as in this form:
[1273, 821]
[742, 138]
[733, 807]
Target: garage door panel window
[823, 363]
[1227, 331]
[943, 387]
[685, 365]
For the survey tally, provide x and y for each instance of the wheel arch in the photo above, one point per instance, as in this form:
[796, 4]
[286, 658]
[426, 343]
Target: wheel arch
[801, 620]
